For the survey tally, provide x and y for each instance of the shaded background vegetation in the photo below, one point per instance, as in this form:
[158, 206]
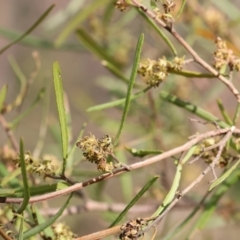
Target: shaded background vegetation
[151, 123]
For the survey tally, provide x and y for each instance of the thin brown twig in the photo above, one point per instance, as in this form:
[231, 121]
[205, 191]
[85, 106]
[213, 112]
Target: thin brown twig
[195, 56]
[119, 171]
[101, 234]
[105, 233]
[221, 147]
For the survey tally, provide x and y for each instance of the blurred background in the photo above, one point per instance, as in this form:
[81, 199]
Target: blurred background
[151, 123]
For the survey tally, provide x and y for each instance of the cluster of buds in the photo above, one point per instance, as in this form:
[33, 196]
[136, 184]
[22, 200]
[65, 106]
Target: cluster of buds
[62, 231]
[130, 230]
[156, 71]
[97, 151]
[41, 167]
[121, 5]
[210, 155]
[225, 57]
[168, 7]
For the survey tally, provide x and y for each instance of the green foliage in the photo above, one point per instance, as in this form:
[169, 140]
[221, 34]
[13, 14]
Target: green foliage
[130, 86]
[26, 193]
[134, 200]
[49, 222]
[61, 111]
[139, 97]
[18, 39]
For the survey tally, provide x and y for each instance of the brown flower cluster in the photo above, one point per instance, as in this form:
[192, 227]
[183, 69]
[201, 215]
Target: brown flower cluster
[121, 5]
[41, 167]
[168, 7]
[210, 155]
[156, 71]
[97, 151]
[130, 230]
[224, 57]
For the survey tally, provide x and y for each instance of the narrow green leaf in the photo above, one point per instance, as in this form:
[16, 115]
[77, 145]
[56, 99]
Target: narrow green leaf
[94, 47]
[25, 180]
[189, 154]
[190, 74]
[44, 15]
[78, 19]
[41, 219]
[181, 8]
[130, 85]
[5, 172]
[108, 14]
[35, 230]
[176, 181]
[159, 31]
[224, 176]
[36, 42]
[117, 102]
[61, 111]
[17, 70]
[3, 94]
[11, 176]
[135, 199]
[34, 190]
[20, 235]
[142, 153]
[224, 112]
[196, 111]
[6, 192]
[42, 189]
[153, 4]
[192, 108]
[19, 118]
[236, 115]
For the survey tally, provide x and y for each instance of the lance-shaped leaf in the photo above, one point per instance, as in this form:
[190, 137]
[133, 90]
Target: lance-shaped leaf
[61, 111]
[26, 192]
[130, 85]
[181, 8]
[192, 108]
[36, 42]
[117, 102]
[3, 94]
[35, 230]
[176, 181]
[224, 176]
[29, 30]
[135, 199]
